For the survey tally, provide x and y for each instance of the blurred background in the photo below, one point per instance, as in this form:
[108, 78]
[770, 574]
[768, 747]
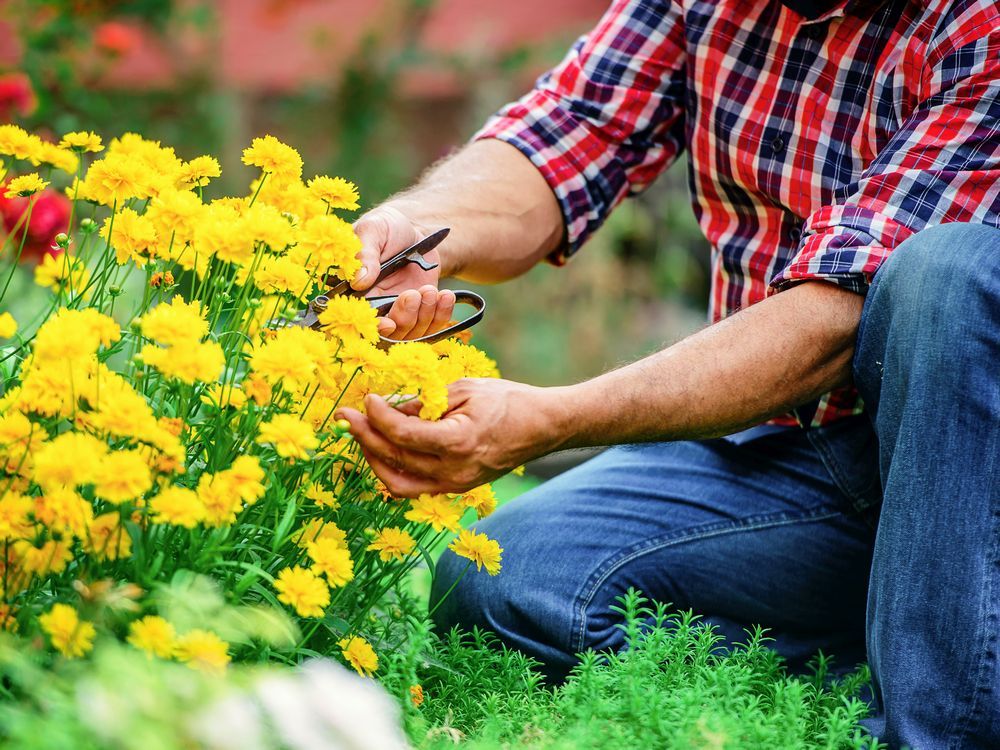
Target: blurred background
[373, 91]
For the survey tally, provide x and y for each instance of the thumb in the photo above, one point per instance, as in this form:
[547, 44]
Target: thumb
[373, 232]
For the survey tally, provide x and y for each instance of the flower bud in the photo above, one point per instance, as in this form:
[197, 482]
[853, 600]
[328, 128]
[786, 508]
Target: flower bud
[114, 290]
[341, 427]
[88, 225]
[62, 240]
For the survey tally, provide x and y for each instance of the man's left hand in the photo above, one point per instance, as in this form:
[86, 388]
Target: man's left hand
[491, 427]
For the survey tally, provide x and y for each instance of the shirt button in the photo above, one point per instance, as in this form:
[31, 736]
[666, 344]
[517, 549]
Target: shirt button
[777, 144]
[795, 234]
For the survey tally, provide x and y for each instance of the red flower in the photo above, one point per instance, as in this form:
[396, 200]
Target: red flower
[17, 97]
[116, 38]
[49, 217]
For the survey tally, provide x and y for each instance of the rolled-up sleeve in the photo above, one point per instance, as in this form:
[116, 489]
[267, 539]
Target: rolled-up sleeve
[942, 165]
[607, 120]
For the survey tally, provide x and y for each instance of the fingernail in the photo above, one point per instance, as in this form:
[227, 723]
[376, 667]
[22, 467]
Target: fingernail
[363, 273]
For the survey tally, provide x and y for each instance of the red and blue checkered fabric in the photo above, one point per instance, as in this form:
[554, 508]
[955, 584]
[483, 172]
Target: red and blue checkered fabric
[815, 147]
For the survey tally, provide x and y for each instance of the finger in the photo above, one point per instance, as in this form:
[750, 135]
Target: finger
[375, 444]
[445, 308]
[426, 312]
[386, 326]
[409, 431]
[374, 233]
[404, 312]
[400, 483]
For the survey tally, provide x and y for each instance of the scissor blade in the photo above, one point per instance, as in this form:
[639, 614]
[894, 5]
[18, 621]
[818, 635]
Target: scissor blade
[428, 243]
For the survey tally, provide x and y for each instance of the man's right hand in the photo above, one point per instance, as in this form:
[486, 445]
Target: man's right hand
[422, 308]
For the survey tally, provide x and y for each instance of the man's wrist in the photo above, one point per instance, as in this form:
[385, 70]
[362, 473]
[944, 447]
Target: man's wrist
[560, 419]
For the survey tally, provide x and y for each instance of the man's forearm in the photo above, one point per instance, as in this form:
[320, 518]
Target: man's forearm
[503, 216]
[773, 356]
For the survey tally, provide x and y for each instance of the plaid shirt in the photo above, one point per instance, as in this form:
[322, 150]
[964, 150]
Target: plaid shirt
[815, 147]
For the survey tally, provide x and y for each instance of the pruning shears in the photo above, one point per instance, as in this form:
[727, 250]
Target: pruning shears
[309, 317]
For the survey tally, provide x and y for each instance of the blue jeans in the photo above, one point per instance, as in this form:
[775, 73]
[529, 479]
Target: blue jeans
[876, 537]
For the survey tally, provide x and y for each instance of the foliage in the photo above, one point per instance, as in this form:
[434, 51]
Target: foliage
[671, 687]
[146, 438]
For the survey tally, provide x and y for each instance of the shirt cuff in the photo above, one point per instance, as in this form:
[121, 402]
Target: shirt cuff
[844, 245]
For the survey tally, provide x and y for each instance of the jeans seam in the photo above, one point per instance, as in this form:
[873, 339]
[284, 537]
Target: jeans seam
[857, 497]
[764, 522]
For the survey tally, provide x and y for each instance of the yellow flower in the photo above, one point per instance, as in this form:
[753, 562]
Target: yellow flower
[69, 459]
[116, 178]
[336, 192]
[154, 635]
[349, 319]
[204, 650]
[107, 538]
[51, 557]
[71, 335]
[14, 520]
[273, 157]
[257, 389]
[328, 244]
[224, 396]
[70, 636]
[8, 326]
[121, 476]
[55, 272]
[131, 235]
[187, 361]
[197, 172]
[332, 560]
[53, 155]
[220, 499]
[282, 275]
[393, 544]
[177, 506]
[440, 511]
[26, 184]
[19, 439]
[246, 478]
[317, 529]
[481, 499]
[82, 141]
[303, 590]
[322, 498]
[478, 548]
[64, 511]
[359, 654]
[290, 436]
[17, 142]
[291, 356]
[175, 322]
[417, 695]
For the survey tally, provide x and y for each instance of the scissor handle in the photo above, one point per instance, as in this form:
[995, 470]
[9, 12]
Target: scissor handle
[462, 297]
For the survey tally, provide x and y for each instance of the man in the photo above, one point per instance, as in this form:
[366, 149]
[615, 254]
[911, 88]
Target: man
[844, 162]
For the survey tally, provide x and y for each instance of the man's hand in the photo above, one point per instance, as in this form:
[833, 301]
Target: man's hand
[422, 308]
[491, 427]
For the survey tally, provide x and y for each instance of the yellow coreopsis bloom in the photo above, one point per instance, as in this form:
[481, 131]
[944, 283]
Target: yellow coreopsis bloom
[336, 192]
[64, 511]
[116, 178]
[63, 270]
[282, 276]
[246, 478]
[328, 242]
[131, 234]
[480, 549]
[204, 650]
[322, 498]
[220, 499]
[302, 590]
[359, 654]
[187, 361]
[273, 157]
[15, 522]
[224, 396]
[8, 326]
[290, 436]
[17, 142]
[53, 155]
[333, 560]
[440, 511]
[154, 635]
[72, 335]
[51, 557]
[481, 499]
[70, 459]
[291, 356]
[121, 476]
[82, 141]
[349, 319]
[178, 506]
[70, 636]
[107, 538]
[25, 185]
[175, 322]
[318, 529]
[393, 544]
[198, 172]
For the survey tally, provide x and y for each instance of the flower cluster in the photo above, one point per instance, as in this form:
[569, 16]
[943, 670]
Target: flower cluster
[163, 417]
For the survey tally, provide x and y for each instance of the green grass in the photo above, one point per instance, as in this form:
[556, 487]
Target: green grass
[671, 687]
